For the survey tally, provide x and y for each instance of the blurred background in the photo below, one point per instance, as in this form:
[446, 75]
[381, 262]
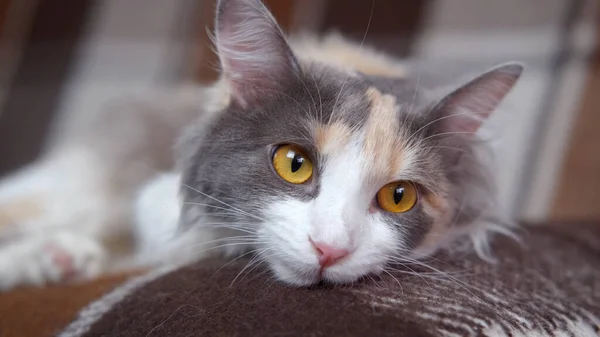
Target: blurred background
[59, 58]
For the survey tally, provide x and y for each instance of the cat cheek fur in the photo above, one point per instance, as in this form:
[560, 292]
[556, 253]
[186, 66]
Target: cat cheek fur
[292, 258]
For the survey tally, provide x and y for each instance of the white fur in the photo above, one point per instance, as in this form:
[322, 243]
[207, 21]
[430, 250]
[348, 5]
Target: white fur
[157, 222]
[33, 261]
[157, 214]
[339, 216]
[79, 196]
[102, 175]
[69, 213]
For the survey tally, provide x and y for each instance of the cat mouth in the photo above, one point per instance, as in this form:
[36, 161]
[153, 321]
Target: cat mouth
[307, 275]
[325, 275]
[299, 277]
[316, 277]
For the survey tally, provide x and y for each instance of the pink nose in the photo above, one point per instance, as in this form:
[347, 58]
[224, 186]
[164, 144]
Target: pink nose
[328, 255]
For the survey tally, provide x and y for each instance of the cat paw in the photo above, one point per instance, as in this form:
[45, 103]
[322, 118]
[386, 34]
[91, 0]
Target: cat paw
[61, 258]
[71, 256]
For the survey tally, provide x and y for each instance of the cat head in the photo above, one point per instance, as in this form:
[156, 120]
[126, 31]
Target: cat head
[330, 175]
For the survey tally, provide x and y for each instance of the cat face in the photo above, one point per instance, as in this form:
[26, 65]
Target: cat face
[332, 175]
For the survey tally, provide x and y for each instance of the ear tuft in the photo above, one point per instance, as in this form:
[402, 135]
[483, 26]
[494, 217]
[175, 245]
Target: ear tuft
[464, 110]
[255, 58]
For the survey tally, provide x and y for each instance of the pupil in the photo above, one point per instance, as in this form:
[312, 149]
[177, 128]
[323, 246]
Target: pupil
[297, 162]
[398, 194]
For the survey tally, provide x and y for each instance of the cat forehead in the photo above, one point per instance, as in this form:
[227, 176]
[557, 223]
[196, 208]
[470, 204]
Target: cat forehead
[380, 139]
[348, 96]
[354, 100]
[330, 114]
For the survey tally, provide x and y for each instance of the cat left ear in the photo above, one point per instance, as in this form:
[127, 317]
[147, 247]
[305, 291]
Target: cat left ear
[255, 58]
[464, 110]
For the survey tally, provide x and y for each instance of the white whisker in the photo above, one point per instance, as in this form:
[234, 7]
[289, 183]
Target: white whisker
[223, 203]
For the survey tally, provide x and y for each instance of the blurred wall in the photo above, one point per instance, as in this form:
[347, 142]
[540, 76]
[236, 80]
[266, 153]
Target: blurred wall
[554, 38]
[38, 44]
[577, 193]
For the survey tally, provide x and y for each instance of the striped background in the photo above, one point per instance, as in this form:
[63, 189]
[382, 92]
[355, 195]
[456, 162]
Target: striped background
[61, 57]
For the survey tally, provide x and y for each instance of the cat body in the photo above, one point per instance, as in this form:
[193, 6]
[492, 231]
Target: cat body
[323, 157]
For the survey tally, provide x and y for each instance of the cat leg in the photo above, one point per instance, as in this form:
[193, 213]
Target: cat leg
[86, 184]
[54, 216]
[60, 257]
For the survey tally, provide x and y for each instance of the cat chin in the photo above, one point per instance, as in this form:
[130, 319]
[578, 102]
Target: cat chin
[293, 277]
[312, 275]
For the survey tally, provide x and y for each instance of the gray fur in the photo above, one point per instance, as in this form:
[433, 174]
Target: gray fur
[235, 151]
[231, 160]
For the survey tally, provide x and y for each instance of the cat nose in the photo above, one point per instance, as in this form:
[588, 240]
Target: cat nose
[328, 255]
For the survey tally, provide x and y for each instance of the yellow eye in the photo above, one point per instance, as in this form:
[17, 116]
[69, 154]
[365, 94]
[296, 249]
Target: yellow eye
[397, 197]
[292, 164]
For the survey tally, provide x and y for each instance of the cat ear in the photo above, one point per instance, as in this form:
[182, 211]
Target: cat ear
[465, 109]
[255, 58]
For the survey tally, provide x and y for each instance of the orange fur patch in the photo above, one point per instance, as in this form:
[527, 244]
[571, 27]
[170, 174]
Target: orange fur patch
[332, 138]
[382, 145]
[19, 211]
[435, 201]
[338, 52]
[437, 233]
[437, 208]
[370, 66]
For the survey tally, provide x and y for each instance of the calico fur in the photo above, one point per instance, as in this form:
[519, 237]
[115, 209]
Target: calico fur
[360, 115]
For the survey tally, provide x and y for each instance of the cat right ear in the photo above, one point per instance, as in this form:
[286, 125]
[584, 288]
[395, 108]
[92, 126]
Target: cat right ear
[464, 110]
[255, 58]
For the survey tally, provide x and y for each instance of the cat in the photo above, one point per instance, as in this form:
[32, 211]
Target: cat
[324, 158]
